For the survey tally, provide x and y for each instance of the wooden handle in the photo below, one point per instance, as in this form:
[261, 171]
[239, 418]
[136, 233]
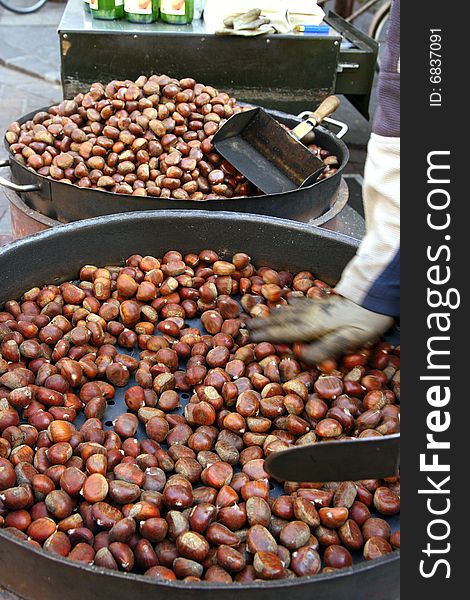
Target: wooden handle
[326, 108]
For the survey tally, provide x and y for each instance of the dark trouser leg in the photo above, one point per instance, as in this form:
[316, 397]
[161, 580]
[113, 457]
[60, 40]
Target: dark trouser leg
[344, 8]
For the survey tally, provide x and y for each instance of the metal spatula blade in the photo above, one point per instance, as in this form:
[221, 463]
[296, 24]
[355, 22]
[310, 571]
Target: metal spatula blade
[269, 156]
[348, 460]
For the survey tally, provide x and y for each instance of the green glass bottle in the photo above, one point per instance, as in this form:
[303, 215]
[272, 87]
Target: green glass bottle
[107, 9]
[86, 6]
[177, 12]
[141, 11]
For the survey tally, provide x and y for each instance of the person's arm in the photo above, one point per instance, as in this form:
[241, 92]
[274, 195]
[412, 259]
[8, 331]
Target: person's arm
[368, 295]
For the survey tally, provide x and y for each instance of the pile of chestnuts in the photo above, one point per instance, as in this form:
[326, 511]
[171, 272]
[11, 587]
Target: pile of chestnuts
[175, 486]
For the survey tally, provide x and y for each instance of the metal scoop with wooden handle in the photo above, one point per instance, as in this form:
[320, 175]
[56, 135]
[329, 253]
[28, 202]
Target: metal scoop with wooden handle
[272, 158]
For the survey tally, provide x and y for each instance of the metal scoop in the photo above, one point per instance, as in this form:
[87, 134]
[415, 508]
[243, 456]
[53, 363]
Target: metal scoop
[270, 157]
[348, 460]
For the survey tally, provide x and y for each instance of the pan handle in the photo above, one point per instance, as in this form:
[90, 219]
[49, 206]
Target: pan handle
[343, 128]
[14, 186]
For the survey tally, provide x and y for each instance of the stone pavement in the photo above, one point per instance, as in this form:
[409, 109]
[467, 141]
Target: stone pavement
[29, 75]
[30, 42]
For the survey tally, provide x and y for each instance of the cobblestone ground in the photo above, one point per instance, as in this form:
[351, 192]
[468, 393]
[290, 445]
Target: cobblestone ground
[29, 43]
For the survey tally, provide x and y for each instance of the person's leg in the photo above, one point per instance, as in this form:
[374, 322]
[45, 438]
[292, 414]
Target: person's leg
[344, 8]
